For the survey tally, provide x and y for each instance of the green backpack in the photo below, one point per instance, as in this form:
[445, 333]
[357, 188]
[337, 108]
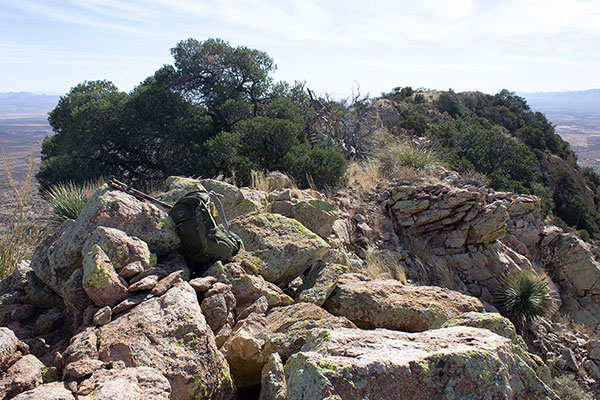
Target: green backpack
[202, 240]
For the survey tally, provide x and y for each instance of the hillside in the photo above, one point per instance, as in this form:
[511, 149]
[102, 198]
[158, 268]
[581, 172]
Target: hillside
[420, 244]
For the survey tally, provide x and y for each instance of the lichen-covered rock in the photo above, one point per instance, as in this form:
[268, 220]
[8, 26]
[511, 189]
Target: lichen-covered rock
[125, 384]
[247, 288]
[23, 375]
[491, 321]
[57, 257]
[489, 225]
[393, 305]
[273, 386]
[449, 363]
[290, 326]
[48, 391]
[169, 333]
[100, 280]
[83, 346]
[76, 299]
[236, 201]
[320, 283]
[120, 248]
[244, 350]
[178, 186]
[317, 215]
[284, 245]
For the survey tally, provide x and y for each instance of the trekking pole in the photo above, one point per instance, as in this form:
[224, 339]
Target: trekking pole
[215, 198]
[113, 182]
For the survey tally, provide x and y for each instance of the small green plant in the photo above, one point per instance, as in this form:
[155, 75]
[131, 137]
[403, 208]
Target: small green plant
[67, 200]
[524, 296]
[567, 388]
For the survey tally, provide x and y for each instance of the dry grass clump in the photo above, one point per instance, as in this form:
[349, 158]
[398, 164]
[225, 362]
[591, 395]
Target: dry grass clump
[383, 265]
[13, 239]
[269, 181]
[392, 157]
[567, 388]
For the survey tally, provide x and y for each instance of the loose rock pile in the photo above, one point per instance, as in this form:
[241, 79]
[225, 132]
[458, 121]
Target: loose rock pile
[106, 307]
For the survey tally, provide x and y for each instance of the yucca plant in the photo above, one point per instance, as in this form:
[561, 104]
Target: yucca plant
[67, 199]
[525, 296]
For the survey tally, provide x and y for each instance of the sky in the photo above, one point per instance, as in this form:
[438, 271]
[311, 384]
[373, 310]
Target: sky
[336, 47]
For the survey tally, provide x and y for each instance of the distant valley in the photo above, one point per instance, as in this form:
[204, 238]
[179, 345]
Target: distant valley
[23, 125]
[577, 119]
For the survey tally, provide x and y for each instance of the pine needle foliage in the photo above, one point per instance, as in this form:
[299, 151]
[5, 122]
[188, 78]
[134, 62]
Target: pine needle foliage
[67, 199]
[524, 296]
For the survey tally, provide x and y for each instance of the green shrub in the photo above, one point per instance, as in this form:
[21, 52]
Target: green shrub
[524, 296]
[567, 388]
[67, 200]
[323, 165]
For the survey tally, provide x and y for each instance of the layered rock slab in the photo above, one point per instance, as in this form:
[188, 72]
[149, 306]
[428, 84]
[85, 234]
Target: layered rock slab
[393, 305]
[170, 333]
[449, 363]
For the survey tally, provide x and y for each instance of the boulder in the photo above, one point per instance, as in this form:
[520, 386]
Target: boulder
[121, 249]
[23, 375]
[48, 321]
[100, 280]
[246, 287]
[169, 333]
[48, 391]
[126, 384]
[60, 254]
[390, 304]
[83, 346]
[244, 350]
[571, 264]
[178, 186]
[290, 326]
[491, 321]
[273, 386]
[317, 215]
[11, 348]
[285, 247]
[236, 201]
[320, 283]
[448, 363]
[76, 299]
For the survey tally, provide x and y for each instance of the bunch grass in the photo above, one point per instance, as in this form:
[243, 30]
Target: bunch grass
[13, 239]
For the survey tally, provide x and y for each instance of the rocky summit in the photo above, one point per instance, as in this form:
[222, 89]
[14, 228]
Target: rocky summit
[381, 295]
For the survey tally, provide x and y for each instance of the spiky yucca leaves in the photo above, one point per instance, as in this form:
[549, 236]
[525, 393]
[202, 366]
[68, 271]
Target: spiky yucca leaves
[524, 296]
[67, 200]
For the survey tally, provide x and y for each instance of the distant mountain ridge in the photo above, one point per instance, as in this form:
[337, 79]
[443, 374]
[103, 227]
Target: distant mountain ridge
[26, 104]
[582, 102]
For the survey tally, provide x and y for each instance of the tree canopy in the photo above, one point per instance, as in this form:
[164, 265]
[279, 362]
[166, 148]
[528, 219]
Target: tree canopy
[216, 110]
